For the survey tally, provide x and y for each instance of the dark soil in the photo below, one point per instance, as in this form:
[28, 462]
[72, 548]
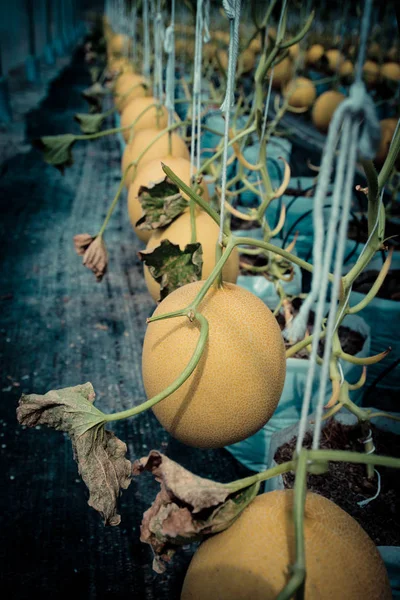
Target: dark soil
[237, 223]
[346, 484]
[390, 289]
[351, 341]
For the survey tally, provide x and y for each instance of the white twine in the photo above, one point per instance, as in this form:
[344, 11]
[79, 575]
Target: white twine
[357, 120]
[378, 491]
[232, 9]
[146, 40]
[169, 47]
[158, 32]
[271, 77]
[197, 81]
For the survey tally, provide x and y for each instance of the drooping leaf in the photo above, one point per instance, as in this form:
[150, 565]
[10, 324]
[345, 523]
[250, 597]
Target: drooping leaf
[161, 203]
[57, 150]
[94, 95]
[172, 267]
[187, 508]
[90, 123]
[94, 252]
[99, 453]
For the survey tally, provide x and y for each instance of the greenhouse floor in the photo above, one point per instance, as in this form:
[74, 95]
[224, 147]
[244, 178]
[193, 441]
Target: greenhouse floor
[60, 328]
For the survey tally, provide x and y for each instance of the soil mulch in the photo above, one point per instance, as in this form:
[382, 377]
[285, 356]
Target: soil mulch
[347, 484]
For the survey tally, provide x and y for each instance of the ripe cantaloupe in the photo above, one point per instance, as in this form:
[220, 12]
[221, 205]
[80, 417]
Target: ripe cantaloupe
[256, 45]
[370, 72]
[155, 117]
[179, 232]
[160, 148]
[119, 44]
[234, 389]
[282, 73]
[252, 558]
[388, 127]
[335, 59]
[151, 172]
[391, 71]
[127, 87]
[302, 92]
[314, 54]
[346, 69]
[246, 61]
[294, 51]
[324, 108]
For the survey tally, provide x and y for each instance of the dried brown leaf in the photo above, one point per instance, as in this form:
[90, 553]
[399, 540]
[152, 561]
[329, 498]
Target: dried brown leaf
[187, 508]
[99, 453]
[95, 255]
[81, 242]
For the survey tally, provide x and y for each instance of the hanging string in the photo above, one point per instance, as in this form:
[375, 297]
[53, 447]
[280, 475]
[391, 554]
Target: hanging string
[158, 32]
[356, 119]
[204, 37]
[169, 47]
[146, 40]
[271, 77]
[196, 99]
[232, 9]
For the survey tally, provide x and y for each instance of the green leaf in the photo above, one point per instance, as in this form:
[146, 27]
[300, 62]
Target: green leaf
[90, 123]
[187, 509]
[94, 95]
[172, 267]
[99, 453]
[57, 149]
[161, 203]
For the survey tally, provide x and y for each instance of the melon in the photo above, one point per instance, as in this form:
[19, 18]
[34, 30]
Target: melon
[234, 390]
[391, 71]
[324, 108]
[155, 117]
[302, 92]
[160, 148]
[179, 232]
[127, 87]
[152, 172]
[252, 558]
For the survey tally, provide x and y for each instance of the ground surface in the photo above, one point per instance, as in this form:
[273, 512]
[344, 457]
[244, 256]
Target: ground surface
[60, 328]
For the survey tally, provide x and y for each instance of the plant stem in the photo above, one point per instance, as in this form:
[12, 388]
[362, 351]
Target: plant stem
[323, 456]
[296, 584]
[240, 484]
[390, 160]
[113, 205]
[126, 414]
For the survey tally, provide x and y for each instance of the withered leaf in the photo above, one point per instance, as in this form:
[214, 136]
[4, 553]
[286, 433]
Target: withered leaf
[187, 508]
[172, 267]
[94, 73]
[99, 453]
[90, 123]
[94, 252]
[94, 95]
[57, 149]
[82, 242]
[161, 203]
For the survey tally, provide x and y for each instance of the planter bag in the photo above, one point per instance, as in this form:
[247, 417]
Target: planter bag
[320, 87]
[299, 218]
[253, 452]
[276, 147]
[383, 316]
[390, 554]
[260, 286]
[209, 140]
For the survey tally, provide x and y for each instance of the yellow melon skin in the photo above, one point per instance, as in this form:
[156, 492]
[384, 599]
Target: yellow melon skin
[152, 172]
[282, 73]
[127, 87]
[324, 107]
[246, 61]
[346, 69]
[391, 71]
[302, 92]
[179, 232]
[388, 127]
[154, 118]
[251, 558]
[370, 72]
[314, 54]
[335, 59]
[160, 148]
[119, 44]
[234, 389]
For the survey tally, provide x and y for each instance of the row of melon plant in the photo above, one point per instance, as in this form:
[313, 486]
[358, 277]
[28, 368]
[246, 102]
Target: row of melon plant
[214, 360]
